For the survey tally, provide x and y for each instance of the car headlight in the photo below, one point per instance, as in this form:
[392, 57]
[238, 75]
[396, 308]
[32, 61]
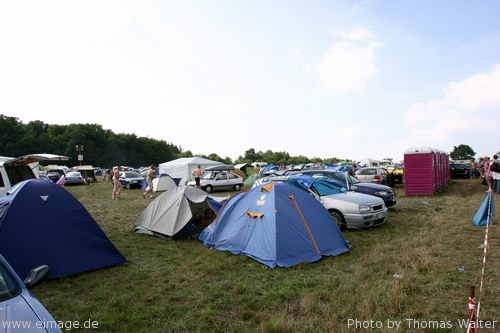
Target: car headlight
[364, 208]
[381, 193]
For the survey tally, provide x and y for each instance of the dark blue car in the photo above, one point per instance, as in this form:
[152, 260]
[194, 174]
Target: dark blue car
[20, 311]
[384, 192]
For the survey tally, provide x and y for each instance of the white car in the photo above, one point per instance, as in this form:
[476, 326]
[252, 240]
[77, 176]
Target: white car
[222, 180]
[372, 175]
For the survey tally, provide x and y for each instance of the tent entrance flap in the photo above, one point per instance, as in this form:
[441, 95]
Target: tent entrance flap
[255, 215]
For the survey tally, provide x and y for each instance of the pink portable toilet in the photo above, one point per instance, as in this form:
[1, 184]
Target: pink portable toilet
[420, 171]
[445, 168]
[447, 171]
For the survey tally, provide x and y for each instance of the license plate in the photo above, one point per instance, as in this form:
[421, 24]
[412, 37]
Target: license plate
[380, 215]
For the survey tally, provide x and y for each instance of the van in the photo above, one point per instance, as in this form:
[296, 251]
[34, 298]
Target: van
[15, 170]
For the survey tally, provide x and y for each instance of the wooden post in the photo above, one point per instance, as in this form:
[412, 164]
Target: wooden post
[471, 328]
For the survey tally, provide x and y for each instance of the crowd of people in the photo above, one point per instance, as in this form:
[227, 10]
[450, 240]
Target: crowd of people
[485, 169]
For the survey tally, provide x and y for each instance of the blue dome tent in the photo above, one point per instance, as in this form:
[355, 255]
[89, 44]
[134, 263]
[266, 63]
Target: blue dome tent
[276, 224]
[41, 223]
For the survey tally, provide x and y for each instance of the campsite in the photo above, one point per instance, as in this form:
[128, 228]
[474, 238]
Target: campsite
[416, 269]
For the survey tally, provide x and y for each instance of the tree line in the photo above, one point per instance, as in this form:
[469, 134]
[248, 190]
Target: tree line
[102, 147]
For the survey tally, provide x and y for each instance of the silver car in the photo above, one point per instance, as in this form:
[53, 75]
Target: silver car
[74, 178]
[20, 310]
[219, 181]
[350, 209]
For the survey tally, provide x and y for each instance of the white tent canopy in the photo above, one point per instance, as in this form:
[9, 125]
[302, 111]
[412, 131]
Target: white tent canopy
[183, 167]
[163, 183]
[171, 211]
[369, 162]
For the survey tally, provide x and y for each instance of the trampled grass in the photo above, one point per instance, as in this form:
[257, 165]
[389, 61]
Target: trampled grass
[405, 271]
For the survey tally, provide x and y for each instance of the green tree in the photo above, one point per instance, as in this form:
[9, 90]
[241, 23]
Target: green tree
[462, 152]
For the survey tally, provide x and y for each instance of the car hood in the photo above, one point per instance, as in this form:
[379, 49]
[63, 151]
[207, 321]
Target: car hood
[25, 310]
[354, 197]
[133, 178]
[375, 187]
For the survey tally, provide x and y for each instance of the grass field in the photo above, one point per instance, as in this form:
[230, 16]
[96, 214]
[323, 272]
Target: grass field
[405, 271]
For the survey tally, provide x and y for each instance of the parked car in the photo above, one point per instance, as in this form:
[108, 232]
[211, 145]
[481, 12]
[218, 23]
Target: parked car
[376, 175]
[16, 169]
[219, 181]
[74, 178]
[396, 173]
[131, 179]
[459, 170]
[20, 305]
[55, 174]
[350, 209]
[44, 177]
[384, 192]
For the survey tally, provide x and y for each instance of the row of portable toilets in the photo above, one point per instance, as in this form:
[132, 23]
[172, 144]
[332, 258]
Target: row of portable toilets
[426, 170]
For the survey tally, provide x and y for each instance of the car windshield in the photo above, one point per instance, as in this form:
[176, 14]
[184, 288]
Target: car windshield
[366, 172]
[209, 175]
[8, 285]
[132, 174]
[353, 180]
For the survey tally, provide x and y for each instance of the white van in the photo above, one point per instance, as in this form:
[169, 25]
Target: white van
[15, 170]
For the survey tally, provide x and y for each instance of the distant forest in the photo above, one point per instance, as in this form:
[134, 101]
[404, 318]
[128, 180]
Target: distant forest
[104, 148]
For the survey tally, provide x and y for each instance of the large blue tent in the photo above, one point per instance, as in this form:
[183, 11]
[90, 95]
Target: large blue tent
[276, 224]
[41, 223]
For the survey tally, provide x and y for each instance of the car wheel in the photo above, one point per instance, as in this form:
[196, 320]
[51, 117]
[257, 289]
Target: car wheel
[209, 189]
[127, 186]
[339, 218]
[237, 187]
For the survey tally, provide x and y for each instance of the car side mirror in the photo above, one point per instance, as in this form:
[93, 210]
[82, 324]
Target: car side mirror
[36, 276]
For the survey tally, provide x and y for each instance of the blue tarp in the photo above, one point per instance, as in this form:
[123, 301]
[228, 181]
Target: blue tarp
[276, 224]
[481, 217]
[41, 223]
[322, 185]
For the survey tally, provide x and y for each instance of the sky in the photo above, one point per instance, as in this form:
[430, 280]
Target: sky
[325, 78]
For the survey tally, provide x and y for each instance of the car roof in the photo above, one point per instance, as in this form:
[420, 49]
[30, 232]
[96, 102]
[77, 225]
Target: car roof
[224, 167]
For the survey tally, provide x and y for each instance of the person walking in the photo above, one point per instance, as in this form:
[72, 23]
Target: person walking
[197, 173]
[117, 185]
[150, 175]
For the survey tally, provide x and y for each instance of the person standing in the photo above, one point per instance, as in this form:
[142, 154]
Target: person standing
[117, 185]
[487, 173]
[150, 175]
[197, 173]
[256, 172]
[495, 175]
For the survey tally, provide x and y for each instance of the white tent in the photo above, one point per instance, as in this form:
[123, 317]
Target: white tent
[369, 162]
[171, 211]
[183, 167]
[163, 183]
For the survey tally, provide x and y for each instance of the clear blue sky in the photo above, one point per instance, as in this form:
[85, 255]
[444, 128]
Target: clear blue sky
[347, 79]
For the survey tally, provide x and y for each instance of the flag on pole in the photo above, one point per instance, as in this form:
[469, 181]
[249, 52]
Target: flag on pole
[488, 206]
